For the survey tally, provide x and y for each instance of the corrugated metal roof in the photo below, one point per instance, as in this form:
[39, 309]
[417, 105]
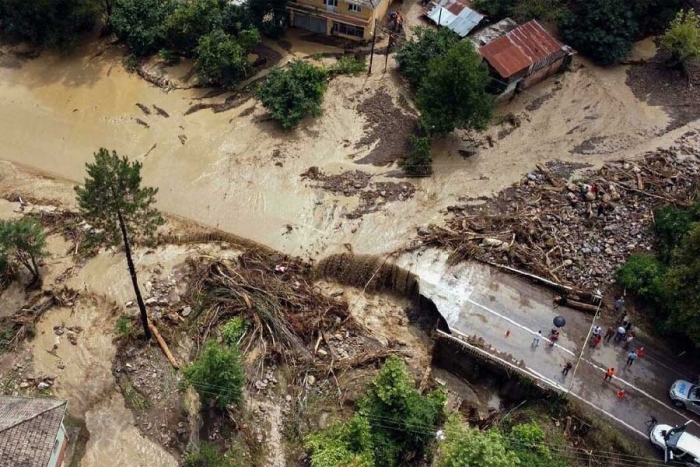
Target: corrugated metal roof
[455, 15]
[521, 48]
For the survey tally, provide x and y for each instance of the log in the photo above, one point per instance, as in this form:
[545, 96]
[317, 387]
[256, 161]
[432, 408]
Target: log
[163, 345]
[563, 301]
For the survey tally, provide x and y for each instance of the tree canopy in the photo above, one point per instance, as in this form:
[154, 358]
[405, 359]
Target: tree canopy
[602, 29]
[289, 94]
[682, 37]
[23, 241]
[223, 59]
[141, 24]
[468, 447]
[428, 43]
[453, 92]
[190, 21]
[53, 23]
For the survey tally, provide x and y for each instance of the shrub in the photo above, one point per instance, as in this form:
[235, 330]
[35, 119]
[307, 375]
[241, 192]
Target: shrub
[342, 444]
[123, 327]
[223, 60]
[453, 91]
[207, 456]
[414, 56]
[683, 281]
[217, 372]
[549, 10]
[602, 29]
[234, 330]
[527, 441]
[417, 162]
[23, 241]
[682, 37]
[671, 224]
[190, 21]
[169, 57]
[54, 23]
[464, 446]
[349, 65]
[394, 408]
[291, 94]
[643, 275]
[141, 24]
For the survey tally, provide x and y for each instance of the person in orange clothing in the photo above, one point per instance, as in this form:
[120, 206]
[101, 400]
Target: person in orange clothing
[621, 394]
[640, 352]
[610, 372]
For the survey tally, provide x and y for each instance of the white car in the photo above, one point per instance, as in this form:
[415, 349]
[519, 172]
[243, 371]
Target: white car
[678, 446]
[685, 394]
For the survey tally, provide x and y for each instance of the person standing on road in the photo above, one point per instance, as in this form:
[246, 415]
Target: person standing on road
[631, 357]
[566, 369]
[620, 334]
[609, 333]
[640, 352]
[609, 373]
[619, 304]
[595, 341]
[536, 339]
[597, 330]
[629, 339]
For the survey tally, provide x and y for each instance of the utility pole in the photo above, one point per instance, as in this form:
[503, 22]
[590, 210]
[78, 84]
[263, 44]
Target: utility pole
[583, 347]
[388, 48]
[371, 54]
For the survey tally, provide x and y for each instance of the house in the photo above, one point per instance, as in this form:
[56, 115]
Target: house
[352, 19]
[485, 35]
[524, 56]
[32, 432]
[455, 15]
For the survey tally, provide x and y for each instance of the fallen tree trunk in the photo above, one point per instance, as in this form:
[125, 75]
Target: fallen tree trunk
[163, 345]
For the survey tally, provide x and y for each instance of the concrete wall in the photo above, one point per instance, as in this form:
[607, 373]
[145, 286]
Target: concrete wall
[59, 451]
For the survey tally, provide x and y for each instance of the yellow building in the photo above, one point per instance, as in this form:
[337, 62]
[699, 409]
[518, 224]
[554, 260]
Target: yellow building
[352, 19]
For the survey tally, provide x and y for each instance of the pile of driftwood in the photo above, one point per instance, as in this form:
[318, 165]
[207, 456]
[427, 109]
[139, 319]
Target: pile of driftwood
[288, 317]
[573, 233]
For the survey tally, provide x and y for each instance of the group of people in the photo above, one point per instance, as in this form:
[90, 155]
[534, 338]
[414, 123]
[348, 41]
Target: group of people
[553, 338]
[396, 20]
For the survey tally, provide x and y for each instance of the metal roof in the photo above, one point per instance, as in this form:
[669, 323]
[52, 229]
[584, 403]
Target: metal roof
[455, 15]
[521, 48]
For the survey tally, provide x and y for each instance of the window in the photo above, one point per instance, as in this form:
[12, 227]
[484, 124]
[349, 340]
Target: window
[355, 8]
[348, 29]
[330, 2]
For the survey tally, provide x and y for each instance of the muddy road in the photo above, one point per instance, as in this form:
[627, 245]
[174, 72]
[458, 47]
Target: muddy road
[232, 171]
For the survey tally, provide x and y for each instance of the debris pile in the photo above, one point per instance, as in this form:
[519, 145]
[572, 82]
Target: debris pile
[574, 233]
[373, 195]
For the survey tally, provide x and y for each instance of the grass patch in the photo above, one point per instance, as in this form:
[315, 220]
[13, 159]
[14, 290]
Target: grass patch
[132, 396]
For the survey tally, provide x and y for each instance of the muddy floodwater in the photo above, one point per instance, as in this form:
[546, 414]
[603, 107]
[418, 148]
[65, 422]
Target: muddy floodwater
[218, 168]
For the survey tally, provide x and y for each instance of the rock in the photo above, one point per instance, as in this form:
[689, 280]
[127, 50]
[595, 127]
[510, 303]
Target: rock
[337, 293]
[585, 251]
[173, 297]
[288, 398]
[151, 301]
[338, 336]
[532, 177]
[43, 386]
[311, 380]
[260, 385]
[129, 304]
[186, 311]
[24, 385]
[596, 250]
[322, 352]
[423, 231]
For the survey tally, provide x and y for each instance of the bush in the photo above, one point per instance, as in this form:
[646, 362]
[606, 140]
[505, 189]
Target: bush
[394, 408]
[453, 92]
[349, 65]
[23, 241]
[141, 24]
[682, 38]
[123, 327]
[602, 29]
[548, 10]
[223, 60]
[53, 23]
[207, 456]
[169, 57]
[190, 21]
[414, 56]
[466, 447]
[291, 94]
[683, 281]
[217, 372]
[234, 330]
[527, 441]
[418, 160]
[643, 275]
[342, 444]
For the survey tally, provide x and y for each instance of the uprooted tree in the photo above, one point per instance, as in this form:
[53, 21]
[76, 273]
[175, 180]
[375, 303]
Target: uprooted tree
[120, 210]
[23, 241]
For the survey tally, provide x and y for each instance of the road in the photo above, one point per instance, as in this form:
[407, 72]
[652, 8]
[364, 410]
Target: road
[507, 311]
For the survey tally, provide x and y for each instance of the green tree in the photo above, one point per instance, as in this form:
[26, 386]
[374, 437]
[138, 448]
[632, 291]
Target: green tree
[496, 9]
[217, 373]
[394, 408]
[453, 92]
[54, 23]
[469, 447]
[269, 16]
[683, 281]
[527, 441]
[141, 24]
[682, 37]
[113, 201]
[23, 240]
[671, 224]
[292, 93]
[428, 43]
[207, 455]
[601, 29]
[643, 275]
[417, 162]
[654, 16]
[347, 444]
[223, 60]
[189, 22]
